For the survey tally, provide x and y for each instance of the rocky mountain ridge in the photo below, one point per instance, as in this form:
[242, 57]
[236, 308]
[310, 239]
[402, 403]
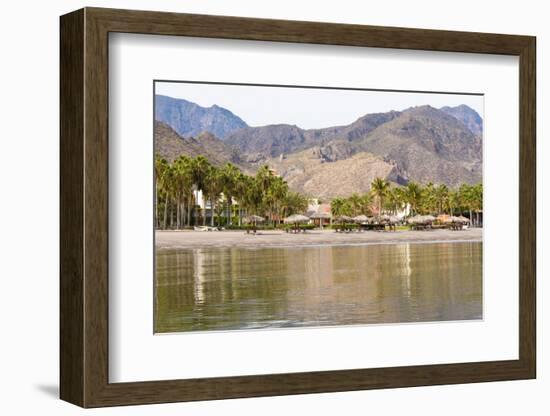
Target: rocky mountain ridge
[422, 144]
[189, 119]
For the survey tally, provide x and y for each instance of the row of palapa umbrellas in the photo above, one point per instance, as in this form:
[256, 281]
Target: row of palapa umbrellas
[363, 219]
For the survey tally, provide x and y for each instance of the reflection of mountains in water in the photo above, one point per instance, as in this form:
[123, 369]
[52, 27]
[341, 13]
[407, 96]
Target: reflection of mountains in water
[421, 144]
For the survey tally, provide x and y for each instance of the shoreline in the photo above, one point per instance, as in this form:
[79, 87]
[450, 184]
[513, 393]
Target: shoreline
[187, 239]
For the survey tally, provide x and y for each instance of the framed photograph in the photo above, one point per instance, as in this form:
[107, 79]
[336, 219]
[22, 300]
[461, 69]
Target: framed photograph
[255, 207]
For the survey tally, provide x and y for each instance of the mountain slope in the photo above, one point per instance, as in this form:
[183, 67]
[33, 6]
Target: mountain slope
[426, 144]
[190, 119]
[308, 172]
[277, 139]
[170, 145]
[468, 116]
[429, 146]
[421, 144]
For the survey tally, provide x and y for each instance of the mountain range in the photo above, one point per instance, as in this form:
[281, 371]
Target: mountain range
[469, 117]
[422, 144]
[190, 119]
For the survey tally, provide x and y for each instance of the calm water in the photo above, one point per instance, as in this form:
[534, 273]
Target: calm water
[243, 288]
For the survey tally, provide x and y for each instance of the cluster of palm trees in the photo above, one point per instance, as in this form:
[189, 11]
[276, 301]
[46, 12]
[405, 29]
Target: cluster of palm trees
[420, 199]
[229, 194]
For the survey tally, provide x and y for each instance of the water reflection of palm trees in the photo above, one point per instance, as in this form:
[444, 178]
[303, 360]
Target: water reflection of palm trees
[198, 276]
[331, 285]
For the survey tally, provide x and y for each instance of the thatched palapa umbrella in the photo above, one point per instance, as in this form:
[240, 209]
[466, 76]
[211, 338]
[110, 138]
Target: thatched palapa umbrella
[452, 219]
[393, 219]
[320, 216]
[417, 219]
[296, 219]
[344, 218]
[252, 219]
[361, 219]
[382, 219]
[421, 219]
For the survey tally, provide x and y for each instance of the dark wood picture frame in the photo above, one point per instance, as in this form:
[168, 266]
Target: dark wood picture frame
[84, 207]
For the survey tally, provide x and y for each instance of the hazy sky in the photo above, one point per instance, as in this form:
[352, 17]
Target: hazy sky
[306, 107]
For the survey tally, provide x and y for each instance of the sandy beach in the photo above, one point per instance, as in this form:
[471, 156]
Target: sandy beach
[210, 239]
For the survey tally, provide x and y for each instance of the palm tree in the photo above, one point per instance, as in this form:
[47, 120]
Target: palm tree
[240, 191]
[213, 188]
[395, 199]
[337, 206]
[264, 177]
[277, 193]
[355, 203]
[200, 168]
[477, 192]
[467, 197]
[253, 195]
[454, 202]
[293, 203]
[365, 204]
[184, 187]
[229, 176]
[269, 188]
[269, 195]
[441, 195]
[168, 185]
[428, 203]
[161, 165]
[379, 188]
[413, 195]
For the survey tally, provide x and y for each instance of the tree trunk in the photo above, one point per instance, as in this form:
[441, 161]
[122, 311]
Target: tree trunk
[190, 210]
[183, 206]
[156, 207]
[212, 212]
[204, 211]
[183, 213]
[178, 214]
[171, 216]
[165, 211]
[229, 213]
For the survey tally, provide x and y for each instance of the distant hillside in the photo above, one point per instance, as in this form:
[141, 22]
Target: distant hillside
[429, 146]
[308, 172]
[421, 144]
[468, 116]
[273, 140]
[170, 145]
[189, 119]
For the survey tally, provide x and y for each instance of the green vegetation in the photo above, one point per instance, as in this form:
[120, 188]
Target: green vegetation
[232, 195]
[427, 199]
[263, 194]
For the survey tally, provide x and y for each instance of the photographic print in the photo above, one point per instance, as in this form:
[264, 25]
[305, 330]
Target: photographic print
[292, 207]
